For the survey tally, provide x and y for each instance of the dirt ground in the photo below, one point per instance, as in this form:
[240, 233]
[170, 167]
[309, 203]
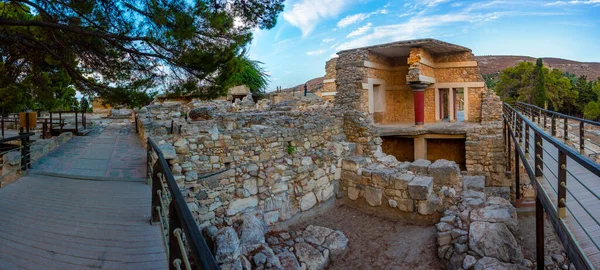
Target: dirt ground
[377, 243]
[526, 237]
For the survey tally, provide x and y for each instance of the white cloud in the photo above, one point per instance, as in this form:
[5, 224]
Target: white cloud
[574, 2]
[352, 19]
[433, 3]
[313, 53]
[414, 28]
[361, 30]
[306, 14]
[333, 55]
[327, 40]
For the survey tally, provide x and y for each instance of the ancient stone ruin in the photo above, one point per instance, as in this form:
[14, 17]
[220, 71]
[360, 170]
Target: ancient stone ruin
[412, 135]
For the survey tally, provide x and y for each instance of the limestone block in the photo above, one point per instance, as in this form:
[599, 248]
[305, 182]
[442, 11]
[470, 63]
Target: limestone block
[429, 206]
[168, 151]
[474, 199]
[310, 256]
[497, 210]
[251, 231]
[308, 201]
[337, 243]
[476, 183]
[420, 187]
[202, 113]
[316, 234]
[373, 196]
[494, 240]
[353, 163]
[227, 245]
[271, 217]
[503, 192]
[353, 193]
[406, 205]
[288, 261]
[401, 181]
[381, 177]
[12, 158]
[444, 172]
[419, 166]
[241, 204]
[492, 263]
[251, 186]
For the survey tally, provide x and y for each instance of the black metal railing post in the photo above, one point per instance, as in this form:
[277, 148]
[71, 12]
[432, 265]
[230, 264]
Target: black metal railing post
[76, 124]
[566, 130]
[581, 138]
[545, 121]
[517, 177]
[526, 140]
[562, 183]
[553, 125]
[539, 156]
[539, 233]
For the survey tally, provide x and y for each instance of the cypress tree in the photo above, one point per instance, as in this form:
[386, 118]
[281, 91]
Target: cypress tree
[539, 87]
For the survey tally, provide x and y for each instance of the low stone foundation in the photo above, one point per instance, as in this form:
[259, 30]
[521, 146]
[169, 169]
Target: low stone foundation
[11, 170]
[244, 245]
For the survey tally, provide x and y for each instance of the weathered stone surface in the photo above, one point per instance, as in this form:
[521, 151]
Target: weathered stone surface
[241, 204]
[337, 243]
[429, 206]
[373, 196]
[444, 172]
[202, 113]
[494, 240]
[381, 177]
[420, 187]
[406, 205]
[251, 186]
[419, 166]
[400, 181]
[288, 261]
[251, 231]
[353, 193]
[227, 245]
[316, 234]
[308, 201]
[488, 263]
[469, 262]
[168, 151]
[353, 163]
[12, 158]
[474, 199]
[503, 192]
[310, 256]
[476, 183]
[497, 210]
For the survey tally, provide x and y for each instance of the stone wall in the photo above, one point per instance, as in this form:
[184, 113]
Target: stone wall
[274, 162]
[414, 192]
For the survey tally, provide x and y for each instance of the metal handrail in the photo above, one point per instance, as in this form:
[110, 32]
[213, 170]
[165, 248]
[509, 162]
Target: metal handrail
[559, 114]
[178, 219]
[24, 147]
[514, 123]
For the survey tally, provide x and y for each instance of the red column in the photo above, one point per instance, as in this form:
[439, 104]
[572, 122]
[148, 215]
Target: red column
[419, 98]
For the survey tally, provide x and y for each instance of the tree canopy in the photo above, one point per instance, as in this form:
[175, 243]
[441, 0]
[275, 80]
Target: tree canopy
[557, 90]
[118, 49]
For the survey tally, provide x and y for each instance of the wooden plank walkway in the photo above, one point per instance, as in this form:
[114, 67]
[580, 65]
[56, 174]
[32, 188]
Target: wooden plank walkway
[582, 202]
[49, 222]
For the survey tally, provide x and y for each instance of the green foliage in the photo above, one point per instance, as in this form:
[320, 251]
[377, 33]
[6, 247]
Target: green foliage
[85, 105]
[291, 149]
[592, 110]
[536, 84]
[491, 80]
[120, 49]
[539, 88]
[251, 74]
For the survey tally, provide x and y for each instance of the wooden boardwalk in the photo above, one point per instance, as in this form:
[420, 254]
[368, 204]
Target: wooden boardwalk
[49, 222]
[583, 203]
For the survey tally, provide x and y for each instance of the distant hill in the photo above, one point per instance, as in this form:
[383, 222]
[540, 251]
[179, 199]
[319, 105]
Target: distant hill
[489, 64]
[312, 86]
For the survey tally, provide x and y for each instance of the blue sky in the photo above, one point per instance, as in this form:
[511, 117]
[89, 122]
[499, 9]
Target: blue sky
[309, 32]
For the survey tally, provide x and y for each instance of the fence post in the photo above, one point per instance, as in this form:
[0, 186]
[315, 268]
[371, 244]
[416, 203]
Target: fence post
[553, 125]
[539, 233]
[517, 177]
[539, 156]
[174, 251]
[581, 138]
[566, 130]
[526, 140]
[2, 123]
[562, 184]
[545, 121]
[76, 124]
[509, 150]
[23, 153]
